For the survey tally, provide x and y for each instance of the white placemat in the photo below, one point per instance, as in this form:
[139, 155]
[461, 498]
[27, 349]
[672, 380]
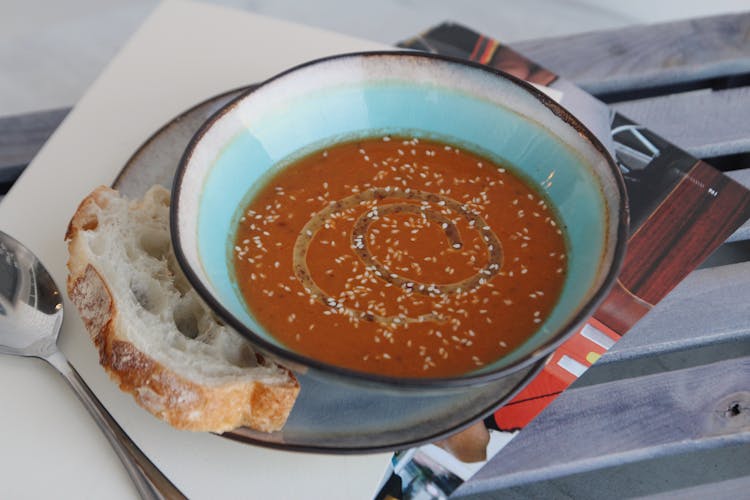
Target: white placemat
[184, 53]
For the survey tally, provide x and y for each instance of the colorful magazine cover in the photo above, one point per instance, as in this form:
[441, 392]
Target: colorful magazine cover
[681, 210]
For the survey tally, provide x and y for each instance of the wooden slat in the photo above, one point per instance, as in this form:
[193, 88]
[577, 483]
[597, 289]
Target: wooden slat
[649, 55]
[719, 472]
[731, 488]
[613, 424]
[617, 428]
[705, 123]
[21, 137]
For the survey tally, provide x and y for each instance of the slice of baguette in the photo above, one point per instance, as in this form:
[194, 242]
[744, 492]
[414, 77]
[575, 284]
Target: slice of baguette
[155, 337]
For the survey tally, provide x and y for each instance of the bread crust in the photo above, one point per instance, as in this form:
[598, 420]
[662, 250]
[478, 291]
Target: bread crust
[181, 402]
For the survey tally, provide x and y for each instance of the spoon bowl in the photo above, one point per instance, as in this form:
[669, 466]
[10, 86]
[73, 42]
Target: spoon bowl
[31, 308]
[31, 314]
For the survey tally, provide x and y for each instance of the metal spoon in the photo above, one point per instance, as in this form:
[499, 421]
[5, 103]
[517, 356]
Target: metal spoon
[31, 314]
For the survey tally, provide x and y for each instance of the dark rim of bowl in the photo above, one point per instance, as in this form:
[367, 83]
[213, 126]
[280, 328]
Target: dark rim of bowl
[283, 354]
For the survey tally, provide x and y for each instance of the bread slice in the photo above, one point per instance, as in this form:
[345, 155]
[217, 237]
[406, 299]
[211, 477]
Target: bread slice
[155, 337]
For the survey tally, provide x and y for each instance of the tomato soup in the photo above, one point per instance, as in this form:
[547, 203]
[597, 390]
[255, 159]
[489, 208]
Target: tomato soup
[399, 256]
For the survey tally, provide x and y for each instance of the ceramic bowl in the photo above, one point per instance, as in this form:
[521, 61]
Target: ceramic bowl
[400, 93]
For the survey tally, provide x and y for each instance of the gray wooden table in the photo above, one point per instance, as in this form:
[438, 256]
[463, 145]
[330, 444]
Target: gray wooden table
[666, 412]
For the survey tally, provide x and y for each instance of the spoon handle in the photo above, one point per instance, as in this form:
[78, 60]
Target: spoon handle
[148, 479]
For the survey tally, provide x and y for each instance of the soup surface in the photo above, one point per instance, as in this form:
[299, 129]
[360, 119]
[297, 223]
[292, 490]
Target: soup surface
[399, 256]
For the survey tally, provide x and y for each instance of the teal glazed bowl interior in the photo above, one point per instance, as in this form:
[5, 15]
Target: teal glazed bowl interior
[363, 95]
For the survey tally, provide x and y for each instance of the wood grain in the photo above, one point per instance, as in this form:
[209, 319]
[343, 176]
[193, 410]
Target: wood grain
[649, 55]
[621, 422]
[719, 472]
